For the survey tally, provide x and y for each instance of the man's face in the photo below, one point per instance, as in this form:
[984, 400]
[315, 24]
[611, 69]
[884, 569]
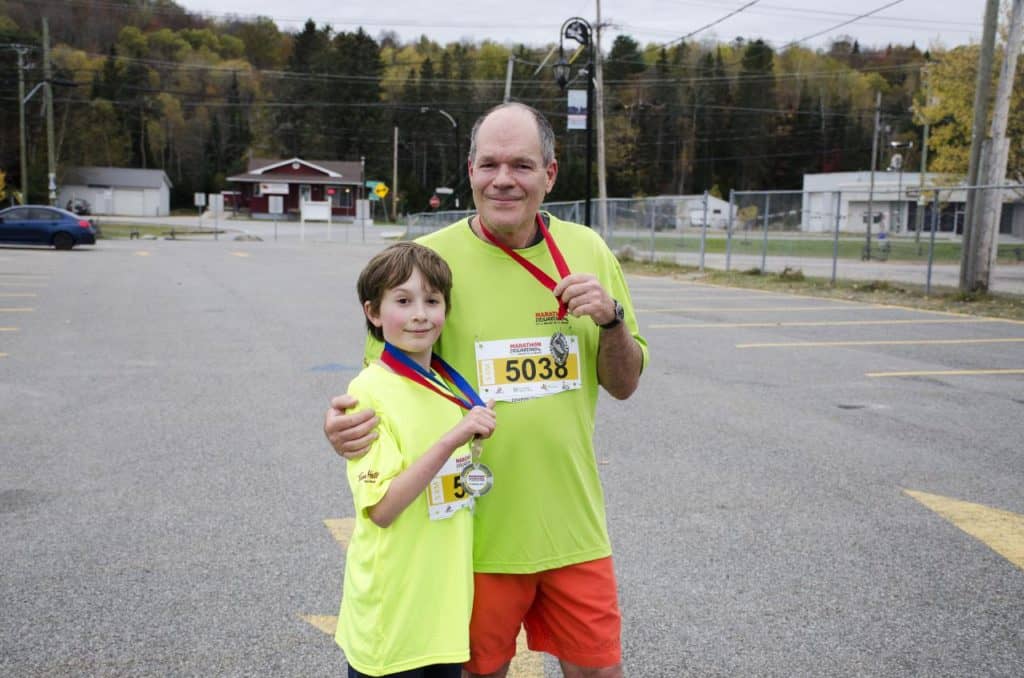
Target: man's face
[508, 174]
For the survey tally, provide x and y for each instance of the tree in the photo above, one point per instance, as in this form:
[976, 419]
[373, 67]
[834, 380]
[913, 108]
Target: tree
[624, 60]
[755, 101]
[299, 124]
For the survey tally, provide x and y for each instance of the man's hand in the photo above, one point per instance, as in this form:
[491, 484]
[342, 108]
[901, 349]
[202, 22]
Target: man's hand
[584, 295]
[349, 434]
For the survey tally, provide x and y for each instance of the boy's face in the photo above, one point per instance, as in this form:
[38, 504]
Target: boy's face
[411, 317]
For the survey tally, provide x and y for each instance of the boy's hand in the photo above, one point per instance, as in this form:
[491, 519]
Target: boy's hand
[478, 422]
[349, 434]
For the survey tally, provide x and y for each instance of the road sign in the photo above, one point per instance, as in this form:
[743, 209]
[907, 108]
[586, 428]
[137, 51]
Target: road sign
[381, 190]
[443, 190]
[435, 201]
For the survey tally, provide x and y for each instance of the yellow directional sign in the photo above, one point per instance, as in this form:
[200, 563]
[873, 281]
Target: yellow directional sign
[381, 190]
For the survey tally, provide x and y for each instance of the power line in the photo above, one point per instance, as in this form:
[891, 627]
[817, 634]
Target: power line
[713, 23]
[844, 23]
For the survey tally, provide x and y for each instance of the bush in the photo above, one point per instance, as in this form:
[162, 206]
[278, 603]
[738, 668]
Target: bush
[791, 275]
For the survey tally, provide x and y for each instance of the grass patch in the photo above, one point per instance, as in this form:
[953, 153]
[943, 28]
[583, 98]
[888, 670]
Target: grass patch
[945, 299]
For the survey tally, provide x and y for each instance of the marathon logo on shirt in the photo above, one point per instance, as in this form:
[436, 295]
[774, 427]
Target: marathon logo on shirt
[369, 477]
[526, 348]
[547, 318]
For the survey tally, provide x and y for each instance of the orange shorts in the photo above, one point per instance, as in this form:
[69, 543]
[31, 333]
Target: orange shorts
[571, 612]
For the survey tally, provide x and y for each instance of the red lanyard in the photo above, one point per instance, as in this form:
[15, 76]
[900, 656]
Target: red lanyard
[410, 369]
[542, 277]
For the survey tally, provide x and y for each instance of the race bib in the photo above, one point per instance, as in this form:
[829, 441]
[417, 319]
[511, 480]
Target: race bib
[445, 493]
[519, 369]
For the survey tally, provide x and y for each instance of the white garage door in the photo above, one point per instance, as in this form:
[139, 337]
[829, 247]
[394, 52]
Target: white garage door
[129, 202]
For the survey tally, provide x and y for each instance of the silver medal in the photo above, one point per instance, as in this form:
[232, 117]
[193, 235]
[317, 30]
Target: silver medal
[559, 348]
[477, 479]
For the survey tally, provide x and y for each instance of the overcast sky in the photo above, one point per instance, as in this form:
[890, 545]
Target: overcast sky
[537, 22]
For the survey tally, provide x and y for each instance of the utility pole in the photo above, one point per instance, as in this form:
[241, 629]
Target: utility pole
[508, 78]
[602, 174]
[22, 50]
[989, 205]
[394, 179]
[48, 91]
[874, 162]
[924, 160]
[981, 89]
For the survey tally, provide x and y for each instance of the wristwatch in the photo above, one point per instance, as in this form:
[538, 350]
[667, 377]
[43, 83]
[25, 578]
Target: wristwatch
[620, 313]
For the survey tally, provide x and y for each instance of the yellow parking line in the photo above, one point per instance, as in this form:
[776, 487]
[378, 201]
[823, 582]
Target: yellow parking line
[18, 284]
[8, 329]
[943, 373]
[16, 310]
[3, 355]
[905, 342]
[754, 309]
[1001, 531]
[239, 254]
[8, 295]
[37, 276]
[835, 323]
[142, 253]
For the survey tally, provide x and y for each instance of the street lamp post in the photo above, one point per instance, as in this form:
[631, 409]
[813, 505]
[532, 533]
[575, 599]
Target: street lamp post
[896, 163]
[579, 30]
[459, 160]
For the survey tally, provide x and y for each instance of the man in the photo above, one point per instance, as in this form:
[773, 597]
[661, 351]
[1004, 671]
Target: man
[541, 315]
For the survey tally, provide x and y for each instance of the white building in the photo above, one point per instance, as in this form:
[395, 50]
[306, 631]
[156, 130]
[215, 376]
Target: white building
[894, 203]
[121, 191]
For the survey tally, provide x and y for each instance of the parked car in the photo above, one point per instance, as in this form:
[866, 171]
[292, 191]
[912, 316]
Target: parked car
[45, 225]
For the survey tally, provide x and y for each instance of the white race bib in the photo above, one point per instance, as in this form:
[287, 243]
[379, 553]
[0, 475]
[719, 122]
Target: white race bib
[445, 493]
[519, 369]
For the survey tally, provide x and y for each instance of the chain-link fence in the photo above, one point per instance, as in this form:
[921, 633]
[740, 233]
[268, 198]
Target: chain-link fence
[901, 233]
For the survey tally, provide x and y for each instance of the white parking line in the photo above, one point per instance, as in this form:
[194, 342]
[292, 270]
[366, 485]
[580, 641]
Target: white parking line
[834, 323]
[942, 373]
[885, 342]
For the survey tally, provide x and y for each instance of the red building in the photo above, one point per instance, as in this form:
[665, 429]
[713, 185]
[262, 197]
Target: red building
[307, 188]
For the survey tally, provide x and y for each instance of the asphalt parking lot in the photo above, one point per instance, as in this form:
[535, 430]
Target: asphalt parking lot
[801, 487]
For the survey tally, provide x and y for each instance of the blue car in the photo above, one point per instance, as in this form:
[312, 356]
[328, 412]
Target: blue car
[45, 225]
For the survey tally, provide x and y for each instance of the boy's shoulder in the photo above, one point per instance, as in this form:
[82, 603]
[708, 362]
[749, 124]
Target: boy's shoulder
[367, 385]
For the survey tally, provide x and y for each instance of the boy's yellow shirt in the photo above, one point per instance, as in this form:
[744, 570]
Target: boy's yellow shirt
[408, 590]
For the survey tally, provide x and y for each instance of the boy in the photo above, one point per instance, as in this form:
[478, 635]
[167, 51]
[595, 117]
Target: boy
[408, 590]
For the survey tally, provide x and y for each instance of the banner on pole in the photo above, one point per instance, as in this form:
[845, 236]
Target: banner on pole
[577, 109]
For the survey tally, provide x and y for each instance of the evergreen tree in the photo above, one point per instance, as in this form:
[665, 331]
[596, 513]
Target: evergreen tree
[755, 101]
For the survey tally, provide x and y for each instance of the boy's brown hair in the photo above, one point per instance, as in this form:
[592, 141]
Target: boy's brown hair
[392, 267]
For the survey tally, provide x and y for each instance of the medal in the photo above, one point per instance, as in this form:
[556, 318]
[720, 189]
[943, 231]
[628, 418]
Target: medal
[559, 349]
[477, 478]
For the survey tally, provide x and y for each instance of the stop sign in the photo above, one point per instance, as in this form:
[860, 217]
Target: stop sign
[435, 202]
